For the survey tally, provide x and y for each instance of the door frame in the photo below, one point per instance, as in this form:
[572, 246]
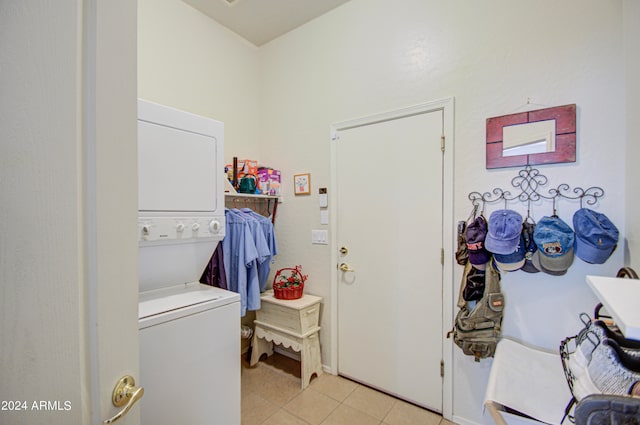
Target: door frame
[446, 105]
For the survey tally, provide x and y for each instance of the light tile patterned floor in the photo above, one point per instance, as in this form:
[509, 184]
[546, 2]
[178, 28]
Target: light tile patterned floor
[271, 395]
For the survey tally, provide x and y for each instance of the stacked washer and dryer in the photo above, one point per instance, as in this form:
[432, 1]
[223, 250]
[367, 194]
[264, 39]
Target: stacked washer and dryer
[189, 332]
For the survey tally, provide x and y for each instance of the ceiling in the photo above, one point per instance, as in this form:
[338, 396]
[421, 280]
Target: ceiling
[260, 21]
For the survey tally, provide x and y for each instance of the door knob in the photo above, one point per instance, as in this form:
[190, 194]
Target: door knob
[345, 268]
[125, 394]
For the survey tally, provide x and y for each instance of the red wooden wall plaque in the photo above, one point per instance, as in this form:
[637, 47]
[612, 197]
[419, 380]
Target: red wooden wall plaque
[565, 146]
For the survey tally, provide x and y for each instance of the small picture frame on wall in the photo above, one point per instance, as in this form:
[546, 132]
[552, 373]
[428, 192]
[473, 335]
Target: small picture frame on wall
[302, 184]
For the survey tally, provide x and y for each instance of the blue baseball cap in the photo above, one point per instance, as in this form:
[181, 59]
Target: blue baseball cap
[504, 231]
[596, 236]
[514, 261]
[554, 239]
[475, 235]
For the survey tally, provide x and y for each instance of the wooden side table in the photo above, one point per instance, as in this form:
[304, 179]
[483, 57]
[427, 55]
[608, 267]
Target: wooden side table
[293, 324]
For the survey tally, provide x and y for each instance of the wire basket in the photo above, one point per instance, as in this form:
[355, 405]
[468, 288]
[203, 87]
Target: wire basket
[289, 287]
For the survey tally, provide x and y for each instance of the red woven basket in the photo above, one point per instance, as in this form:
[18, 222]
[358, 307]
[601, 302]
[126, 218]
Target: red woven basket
[282, 292]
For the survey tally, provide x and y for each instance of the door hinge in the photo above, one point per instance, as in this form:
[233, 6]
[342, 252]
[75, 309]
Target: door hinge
[442, 256]
[442, 368]
[442, 143]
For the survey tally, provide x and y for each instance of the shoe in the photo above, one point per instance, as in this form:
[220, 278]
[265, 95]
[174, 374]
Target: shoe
[610, 371]
[617, 336]
[589, 339]
[608, 410]
[586, 343]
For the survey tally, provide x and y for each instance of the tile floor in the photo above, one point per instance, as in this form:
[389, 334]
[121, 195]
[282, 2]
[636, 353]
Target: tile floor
[271, 395]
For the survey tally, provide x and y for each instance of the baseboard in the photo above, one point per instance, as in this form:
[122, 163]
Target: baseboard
[463, 421]
[511, 419]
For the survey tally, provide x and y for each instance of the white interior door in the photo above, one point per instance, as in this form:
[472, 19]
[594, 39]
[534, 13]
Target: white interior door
[389, 219]
[69, 246]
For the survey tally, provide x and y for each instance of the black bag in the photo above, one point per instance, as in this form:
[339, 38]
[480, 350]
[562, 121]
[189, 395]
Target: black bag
[474, 286]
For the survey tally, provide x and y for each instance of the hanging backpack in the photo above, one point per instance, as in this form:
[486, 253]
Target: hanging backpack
[477, 329]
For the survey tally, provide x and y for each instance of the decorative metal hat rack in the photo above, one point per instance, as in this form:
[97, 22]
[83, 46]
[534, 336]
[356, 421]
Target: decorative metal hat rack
[529, 182]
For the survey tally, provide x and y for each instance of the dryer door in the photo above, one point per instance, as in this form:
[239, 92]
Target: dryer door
[177, 169]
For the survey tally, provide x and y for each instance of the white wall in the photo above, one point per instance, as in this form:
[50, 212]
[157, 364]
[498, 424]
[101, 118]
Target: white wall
[632, 92]
[375, 55]
[370, 56]
[189, 62]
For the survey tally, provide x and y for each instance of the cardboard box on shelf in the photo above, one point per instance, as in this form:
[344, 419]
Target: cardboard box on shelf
[245, 166]
[249, 166]
[270, 180]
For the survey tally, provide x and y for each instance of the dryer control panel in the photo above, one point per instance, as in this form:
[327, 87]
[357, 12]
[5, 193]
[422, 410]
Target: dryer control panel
[159, 229]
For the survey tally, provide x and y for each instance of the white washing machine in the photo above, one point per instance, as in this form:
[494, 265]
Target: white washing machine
[189, 332]
[190, 355]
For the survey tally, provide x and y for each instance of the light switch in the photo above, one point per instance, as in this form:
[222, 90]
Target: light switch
[320, 237]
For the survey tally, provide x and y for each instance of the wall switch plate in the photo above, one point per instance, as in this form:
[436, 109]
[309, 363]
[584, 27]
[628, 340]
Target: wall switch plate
[323, 198]
[324, 217]
[320, 237]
